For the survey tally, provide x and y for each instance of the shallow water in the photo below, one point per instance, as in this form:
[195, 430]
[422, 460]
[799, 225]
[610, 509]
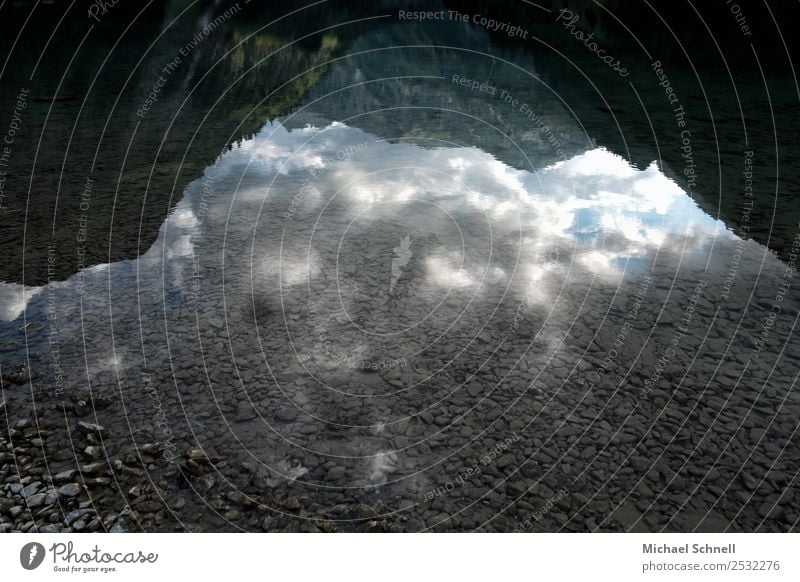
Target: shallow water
[281, 316]
[412, 317]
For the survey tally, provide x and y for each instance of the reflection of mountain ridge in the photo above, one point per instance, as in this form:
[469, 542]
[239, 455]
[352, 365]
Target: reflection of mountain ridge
[107, 170]
[416, 96]
[704, 51]
[139, 166]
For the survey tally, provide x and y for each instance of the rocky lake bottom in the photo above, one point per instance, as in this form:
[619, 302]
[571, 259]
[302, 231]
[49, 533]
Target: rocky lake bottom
[337, 332]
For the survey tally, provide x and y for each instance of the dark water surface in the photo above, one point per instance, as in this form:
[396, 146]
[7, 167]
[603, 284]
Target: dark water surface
[350, 271]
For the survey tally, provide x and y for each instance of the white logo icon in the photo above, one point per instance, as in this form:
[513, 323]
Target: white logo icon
[402, 256]
[31, 556]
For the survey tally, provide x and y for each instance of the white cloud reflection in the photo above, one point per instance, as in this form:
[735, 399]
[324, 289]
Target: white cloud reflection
[598, 209]
[595, 211]
[14, 299]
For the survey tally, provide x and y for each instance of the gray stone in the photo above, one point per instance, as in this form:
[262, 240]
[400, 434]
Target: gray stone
[31, 489]
[196, 454]
[94, 468]
[75, 515]
[36, 500]
[69, 490]
[245, 412]
[335, 474]
[286, 414]
[89, 428]
[765, 509]
[292, 504]
[474, 390]
[65, 476]
[749, 481]
[505, 461]
[148, 506]
[121, 523]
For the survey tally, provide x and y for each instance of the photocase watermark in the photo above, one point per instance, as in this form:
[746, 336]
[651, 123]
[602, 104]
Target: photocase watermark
[168, 446]
[569, 20]
[365, 365]
[95, 559]
[473, 471]
[688, 314]
[100, 8]
[402, 256]
[449, 486]
[744, 226]
[200, 216]
[612, 354]
[20, 105]
[294, 204]
[308, 187]
[741, 20]
[767, 325]
[351, 360]
[31, 555]
[671, 352]
[169, 69]
[66, 559]
[54, 332]
[689, 168]
[520, 313]
[539, 514]
[489, 24]
[155, 91]
[521, 107]
[83, 232]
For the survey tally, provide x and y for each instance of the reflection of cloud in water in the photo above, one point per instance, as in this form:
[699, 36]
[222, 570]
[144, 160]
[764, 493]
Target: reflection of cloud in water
[282, 155]
[446, 273]
[14, 299]
[595, 210]
[381, 466]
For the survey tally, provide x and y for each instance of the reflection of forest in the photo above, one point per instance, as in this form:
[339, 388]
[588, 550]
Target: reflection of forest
[81, 122]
